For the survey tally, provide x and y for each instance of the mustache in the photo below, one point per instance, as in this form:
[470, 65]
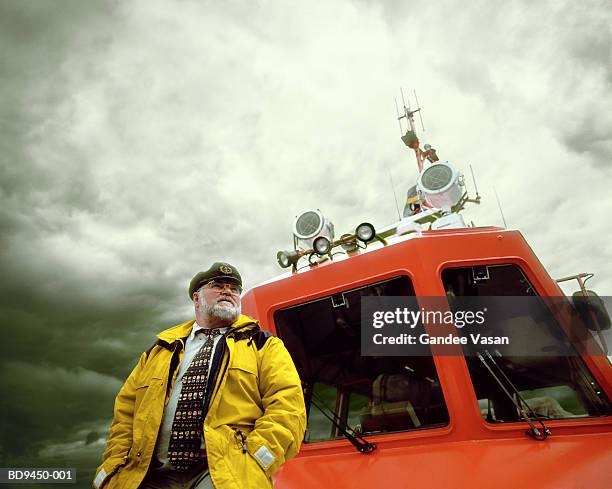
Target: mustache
[226, 298]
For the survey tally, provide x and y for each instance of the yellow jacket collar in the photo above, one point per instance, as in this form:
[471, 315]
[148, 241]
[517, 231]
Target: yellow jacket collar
[183, 330]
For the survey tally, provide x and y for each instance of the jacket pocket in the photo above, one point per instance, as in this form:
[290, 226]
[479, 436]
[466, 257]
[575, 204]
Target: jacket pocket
[149, 385]
[244, 468]
[245, 363]
[107, 475]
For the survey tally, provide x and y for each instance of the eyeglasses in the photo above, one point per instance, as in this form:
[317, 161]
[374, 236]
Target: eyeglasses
[220, 286]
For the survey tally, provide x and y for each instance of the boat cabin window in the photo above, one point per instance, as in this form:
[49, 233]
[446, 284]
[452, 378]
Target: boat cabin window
[370, 395]
[553, 386]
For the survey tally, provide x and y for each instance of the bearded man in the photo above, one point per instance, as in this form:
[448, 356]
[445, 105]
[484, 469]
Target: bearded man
[216, 402]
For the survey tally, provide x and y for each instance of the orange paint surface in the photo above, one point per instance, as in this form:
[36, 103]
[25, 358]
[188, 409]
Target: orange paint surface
[469, 452]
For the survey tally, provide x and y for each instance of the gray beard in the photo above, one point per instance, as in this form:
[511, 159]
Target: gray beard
[218, 313]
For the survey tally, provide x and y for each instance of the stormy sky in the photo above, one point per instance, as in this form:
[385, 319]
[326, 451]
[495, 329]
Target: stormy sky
[142, 140]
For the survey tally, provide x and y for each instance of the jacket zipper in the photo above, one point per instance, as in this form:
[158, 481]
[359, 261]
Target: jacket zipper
[242, 439]
[216, 367]
[178, 346]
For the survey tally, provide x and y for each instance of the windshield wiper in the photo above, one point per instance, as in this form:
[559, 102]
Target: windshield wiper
[534, 432]
[360, 443]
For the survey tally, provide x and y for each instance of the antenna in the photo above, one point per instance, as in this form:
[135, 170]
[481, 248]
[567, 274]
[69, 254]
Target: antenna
[404, 102]
[419, 110]
[399, 119]
[475, 186]
[500, 208]
[394, 195]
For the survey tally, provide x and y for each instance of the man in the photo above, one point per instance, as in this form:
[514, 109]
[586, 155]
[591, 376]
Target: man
[214, 403]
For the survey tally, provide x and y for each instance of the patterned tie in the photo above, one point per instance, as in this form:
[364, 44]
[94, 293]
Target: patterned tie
[186, 436]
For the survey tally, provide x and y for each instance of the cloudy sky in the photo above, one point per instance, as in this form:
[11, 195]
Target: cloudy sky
[143, 140]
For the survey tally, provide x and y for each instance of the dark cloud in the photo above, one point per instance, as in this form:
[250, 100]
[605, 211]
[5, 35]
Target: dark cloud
[586, 135]
[70, 344]
[71, 398]
[57, 379]
[585, 52]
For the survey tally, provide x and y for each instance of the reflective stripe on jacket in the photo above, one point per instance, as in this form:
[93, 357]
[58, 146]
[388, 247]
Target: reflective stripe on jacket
[255, 421]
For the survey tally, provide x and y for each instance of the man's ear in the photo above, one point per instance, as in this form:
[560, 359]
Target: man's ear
[196, 298]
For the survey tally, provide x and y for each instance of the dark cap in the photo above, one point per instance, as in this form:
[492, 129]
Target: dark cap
[218, 270]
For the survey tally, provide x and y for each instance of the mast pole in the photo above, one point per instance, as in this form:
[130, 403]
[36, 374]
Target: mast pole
[409, 116]
[417, 150]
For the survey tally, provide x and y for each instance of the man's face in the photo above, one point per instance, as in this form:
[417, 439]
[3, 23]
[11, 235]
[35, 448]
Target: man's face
[220, 300]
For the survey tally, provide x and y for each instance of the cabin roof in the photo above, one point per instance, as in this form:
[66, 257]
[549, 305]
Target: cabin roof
[422, 238]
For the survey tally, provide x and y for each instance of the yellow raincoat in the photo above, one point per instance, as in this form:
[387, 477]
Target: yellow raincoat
[256, 417]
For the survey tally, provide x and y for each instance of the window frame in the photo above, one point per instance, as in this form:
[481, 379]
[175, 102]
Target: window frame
[540, 290]
[342, 403]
